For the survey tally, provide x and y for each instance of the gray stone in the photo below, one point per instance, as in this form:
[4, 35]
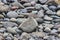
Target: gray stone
[43, 1]
[38, 6]
[47, 18]
[58, 13]
[41, 13]
[12, 14]
[9, 24]
[29, 25]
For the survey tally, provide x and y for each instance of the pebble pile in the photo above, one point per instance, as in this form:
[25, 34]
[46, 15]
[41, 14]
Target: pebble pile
[29, 19]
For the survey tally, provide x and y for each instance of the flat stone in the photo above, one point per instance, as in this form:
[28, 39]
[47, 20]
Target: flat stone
[12, 14]
[41, 13]
[11, 30]
[13, 19]
[29, 25]
[47, 18]
[9, 24]
[27, 4]
[38, 34]
[43, 1]
[25, 36]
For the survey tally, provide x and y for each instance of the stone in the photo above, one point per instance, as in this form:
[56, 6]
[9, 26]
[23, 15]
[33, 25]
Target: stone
[38, 6]
[39, 20]
[8, 38]
[47, 18]
[38, 34]
[40, 26]
[40, 13]
[1, 3]
[4, 8]
[58, 13]
[18, 5]
[1, 38]
[34, 12]
[27, 4]
[1, 16]
[31, 39]
[29, 25]
[2, 30]
[12, 14]
[47, 29]
[57, 1]
[49, 12]
[25, 36]
[11, 30]
[20, 20]
[48, 25]
[58, 29]
[15, 38]
[45, 7]
[9, 24]
[53, 8]
[54, 31]
[13, 19]
[43, 1]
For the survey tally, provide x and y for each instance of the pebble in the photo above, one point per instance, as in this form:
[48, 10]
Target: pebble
[47, 29]
[29, 25]
[4, 8]
[58, 29]
[38, 34]
[12, 14]
[53, 8]
[58, 13]
[57, 1]
[34, 12]
[9, 24]
[25, 36]
[18, 5]
[49, 12]
[39, 20]
[1, 16]
[11, 30]
[13, 19]
[38, 6]
[43, 1]
[53, 31]
[27, 4]
[47, 18]
[41, 13]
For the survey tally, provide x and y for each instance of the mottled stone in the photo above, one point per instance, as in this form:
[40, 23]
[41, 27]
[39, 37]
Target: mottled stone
[29, 25]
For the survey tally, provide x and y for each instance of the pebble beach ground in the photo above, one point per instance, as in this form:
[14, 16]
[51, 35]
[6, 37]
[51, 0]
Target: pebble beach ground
[29, 19]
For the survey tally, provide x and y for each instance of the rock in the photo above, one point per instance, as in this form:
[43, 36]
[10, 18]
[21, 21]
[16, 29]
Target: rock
[53, 31]
[4, 8]
[48, 25]
[1, 3]
[39, 20]
[49, 12]
[57, 1]
[8, 38]
[2, 30]
[20, 20]
[15, 38]
[11, 30]
[43, 1]
[47, 22]
[1, 16]
[40, 13]
[29, 25]
[33, 3]
[31, 39]
[13, 19]
[46, 37]
[38, 6]
[38, 34]
[53, 8]
[25, 36]
[6, 19]
[9, 24]
[27, 4]
[34, 12]
[47, 18]
[58, 29]
[18, 5]
[45, 7]
[40, 26]
[47, 29]
[1, 38]
[12, 14]
[58, 13]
